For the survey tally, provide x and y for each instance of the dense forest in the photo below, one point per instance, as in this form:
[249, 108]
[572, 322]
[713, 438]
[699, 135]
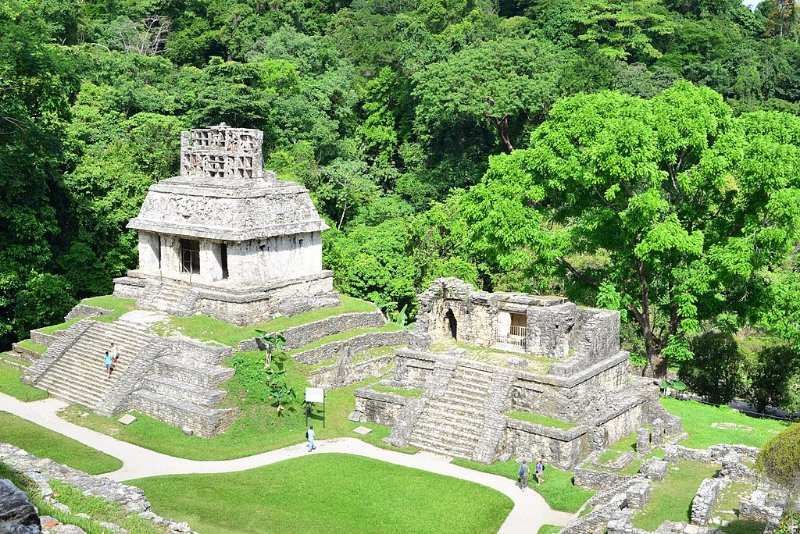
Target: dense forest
[642, 155]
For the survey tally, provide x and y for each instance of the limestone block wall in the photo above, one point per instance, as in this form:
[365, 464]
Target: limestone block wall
[383, 408]
[353, 345]
[562, 448]
[413, 368]
[705, 499]
[149, 252]
[284, 298]
[549, 329]
[344, 373]
[304, 334]
[258, 261]
[598, 336]
[84, 310]
[211, 261]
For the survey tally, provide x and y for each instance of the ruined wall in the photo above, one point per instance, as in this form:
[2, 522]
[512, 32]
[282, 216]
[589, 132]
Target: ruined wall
[258, 261]
[383, 408]
[562, 448]
[549, 329]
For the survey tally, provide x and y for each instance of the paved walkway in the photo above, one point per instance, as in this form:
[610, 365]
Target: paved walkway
[529, 513]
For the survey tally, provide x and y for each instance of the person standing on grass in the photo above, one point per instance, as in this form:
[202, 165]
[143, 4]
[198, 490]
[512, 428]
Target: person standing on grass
[109, 363]
[539, 471]
[524, 471]
[310, 435]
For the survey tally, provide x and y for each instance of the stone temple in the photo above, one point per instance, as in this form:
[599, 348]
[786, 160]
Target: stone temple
[510, 375]
[227, 239]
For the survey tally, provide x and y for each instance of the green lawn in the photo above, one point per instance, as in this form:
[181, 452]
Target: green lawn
[258, 428]
[45, 443]
[540, 419]
[556, 489]
[11, 384]
[697, 421]
[628, 443]
[206, 328]
[327, 493]
[671, 499]
[549, 529]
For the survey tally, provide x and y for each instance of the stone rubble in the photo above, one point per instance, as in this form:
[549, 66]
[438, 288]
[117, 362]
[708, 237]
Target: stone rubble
[42, 470]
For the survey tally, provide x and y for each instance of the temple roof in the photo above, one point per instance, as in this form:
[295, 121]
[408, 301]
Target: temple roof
[223, 194]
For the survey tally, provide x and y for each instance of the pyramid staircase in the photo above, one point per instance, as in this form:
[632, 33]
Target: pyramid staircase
[174, 298]
[452, 424]
[79, 375]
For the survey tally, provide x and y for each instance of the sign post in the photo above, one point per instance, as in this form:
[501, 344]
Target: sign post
[315, 395]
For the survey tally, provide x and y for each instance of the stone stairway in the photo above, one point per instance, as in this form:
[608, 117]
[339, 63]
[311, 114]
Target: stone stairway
[79, 376]
[173, 298]
[452, 423]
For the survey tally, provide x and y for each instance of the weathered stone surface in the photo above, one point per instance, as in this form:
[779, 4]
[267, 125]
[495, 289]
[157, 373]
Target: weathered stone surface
[766, 503]
[705, 499]
[638, 494]
[355, 344]
[302, 335]
[654, 469]
[41, 470]
[17, 514]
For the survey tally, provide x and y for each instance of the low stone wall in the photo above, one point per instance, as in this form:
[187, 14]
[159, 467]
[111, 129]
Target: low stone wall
[654, 469]
[705, 499]
[596, 520]
[344, 373]
[592, 479]
[25, 354]
[383, 408]
[84, 310]
[42, 470]
[302, 335]
[766, 503]
[40, 338]
[202, 421]
[562, 448]
[354, 345]
[714, 454]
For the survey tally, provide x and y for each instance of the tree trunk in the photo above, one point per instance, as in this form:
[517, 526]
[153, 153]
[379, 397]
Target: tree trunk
[502, 131]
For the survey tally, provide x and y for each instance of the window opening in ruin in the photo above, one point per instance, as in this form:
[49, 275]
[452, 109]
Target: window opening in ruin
[190, 256]
[518, 329]
[452, 323]
[158, 253]
[223, 252]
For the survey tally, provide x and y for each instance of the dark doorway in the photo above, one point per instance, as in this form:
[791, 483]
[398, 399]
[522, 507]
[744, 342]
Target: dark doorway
[223, 252]
[452, 323]
[190, 256]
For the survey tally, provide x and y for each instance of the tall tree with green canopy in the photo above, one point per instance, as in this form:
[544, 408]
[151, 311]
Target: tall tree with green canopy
[683, 208]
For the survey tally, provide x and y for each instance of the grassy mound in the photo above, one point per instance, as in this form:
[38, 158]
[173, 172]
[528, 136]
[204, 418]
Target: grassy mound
[328, 493]
[45, 443]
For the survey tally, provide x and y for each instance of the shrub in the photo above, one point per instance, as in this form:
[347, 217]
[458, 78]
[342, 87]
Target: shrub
[717, 369]
[780, 458]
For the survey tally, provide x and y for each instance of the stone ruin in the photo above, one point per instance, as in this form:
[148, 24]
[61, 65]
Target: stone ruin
[227, 239]
[475, 356]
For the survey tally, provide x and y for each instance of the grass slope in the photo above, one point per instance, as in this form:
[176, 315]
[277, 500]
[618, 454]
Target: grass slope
[556, 489]
[258, 428]
[542, 420]
[206, 328]
[11, 384]
[697, 420]
[45, 443]
[671, 499]
[328, 493]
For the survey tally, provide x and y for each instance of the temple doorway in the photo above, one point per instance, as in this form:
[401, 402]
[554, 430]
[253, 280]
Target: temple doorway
[452, 324]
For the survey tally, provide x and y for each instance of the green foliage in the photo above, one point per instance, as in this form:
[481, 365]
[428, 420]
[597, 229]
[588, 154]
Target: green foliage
[717, 370]
[44, 299]
[780, 458]
[774, 373]
[695, 221]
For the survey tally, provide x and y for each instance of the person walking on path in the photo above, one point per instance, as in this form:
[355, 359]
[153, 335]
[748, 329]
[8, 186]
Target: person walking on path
[539, 471]
[524, 471]
[310, 436]
[109, 364]
[114, 354]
